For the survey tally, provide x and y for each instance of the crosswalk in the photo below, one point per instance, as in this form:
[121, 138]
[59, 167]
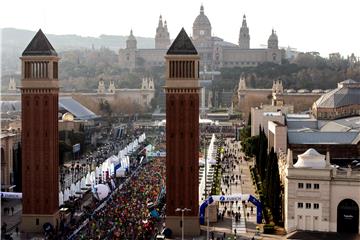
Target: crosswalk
[239, 226]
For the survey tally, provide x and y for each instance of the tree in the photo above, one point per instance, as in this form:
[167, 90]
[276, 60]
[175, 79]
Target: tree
[267, 182]
[276, 201]
[262, 153]
[250, 145]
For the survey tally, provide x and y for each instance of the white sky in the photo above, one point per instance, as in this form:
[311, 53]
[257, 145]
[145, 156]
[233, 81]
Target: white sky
[309, 25]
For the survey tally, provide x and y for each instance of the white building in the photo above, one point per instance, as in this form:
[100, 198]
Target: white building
[320, 196]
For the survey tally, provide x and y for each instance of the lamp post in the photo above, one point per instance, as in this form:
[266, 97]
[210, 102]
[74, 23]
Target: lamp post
[182, 219]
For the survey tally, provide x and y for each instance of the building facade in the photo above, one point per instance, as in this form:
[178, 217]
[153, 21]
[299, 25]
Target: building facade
[260, 116]
[182, 136]
[39, 135]
[248, 98]
[10, 160]
[214, 52]
[320, 196]
[141, 96]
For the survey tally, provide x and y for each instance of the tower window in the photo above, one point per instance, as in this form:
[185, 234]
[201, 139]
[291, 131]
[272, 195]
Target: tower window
[55, 70]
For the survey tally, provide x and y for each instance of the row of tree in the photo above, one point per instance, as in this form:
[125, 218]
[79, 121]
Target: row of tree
[266, 168]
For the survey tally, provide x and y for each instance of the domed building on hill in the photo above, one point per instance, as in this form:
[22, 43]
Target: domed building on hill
[214, 52]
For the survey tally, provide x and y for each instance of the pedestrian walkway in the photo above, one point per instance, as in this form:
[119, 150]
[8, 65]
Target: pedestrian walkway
[238, 226]
[11, 218]
[240, 183]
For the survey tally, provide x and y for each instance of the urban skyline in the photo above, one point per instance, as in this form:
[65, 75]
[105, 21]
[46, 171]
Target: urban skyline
[305, 26]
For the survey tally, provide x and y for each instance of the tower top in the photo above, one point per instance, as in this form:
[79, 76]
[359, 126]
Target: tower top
[244, 21]
[160, 22]
[182, 45]
[202, 9]
[39, 45]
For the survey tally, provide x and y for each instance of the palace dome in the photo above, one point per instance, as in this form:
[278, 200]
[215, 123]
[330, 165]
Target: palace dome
[273, 36]
[202, 20]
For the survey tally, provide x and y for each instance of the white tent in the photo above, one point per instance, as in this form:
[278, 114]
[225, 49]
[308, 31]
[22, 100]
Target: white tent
[101, 191]
[88, 179]
[111, 168]
[120, 172]
[66, 194]
[97, 171]
[61, 198]
[92, 178]
[78, 186]
[72, 190]
[83, 182]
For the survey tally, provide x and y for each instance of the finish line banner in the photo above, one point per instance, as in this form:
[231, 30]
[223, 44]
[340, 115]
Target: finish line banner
[11, 195]
[229, 198]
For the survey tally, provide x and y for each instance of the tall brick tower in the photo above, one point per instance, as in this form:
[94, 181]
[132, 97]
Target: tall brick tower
[182, 135]
[40, 140]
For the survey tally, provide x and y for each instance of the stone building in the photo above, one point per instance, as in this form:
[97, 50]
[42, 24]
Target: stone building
[248, 98]
[340, 102]
[131, 57]
[12, 85]
[260, 116]
[10, 160]
[162, 37]
[320, 196]
[214, 52]
[141, 96]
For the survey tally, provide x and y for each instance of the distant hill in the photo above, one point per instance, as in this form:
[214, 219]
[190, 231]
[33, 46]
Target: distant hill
[14, 41]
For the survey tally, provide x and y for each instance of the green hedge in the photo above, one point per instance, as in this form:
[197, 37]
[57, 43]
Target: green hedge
[269, 228]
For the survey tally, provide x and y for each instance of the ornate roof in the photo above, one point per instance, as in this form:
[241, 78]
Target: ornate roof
[131, 36]
[347, 93]
[39, 45]
[182, 45]
[201, 19]
[273, 36]
[310, 159]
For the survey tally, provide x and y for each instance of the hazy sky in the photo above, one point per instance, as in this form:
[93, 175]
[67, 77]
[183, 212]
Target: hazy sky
[308, 25]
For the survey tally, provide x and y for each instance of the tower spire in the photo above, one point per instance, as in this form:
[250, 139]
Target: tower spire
[160, 21]
[202, 9]
[244, 36]
[244, 24]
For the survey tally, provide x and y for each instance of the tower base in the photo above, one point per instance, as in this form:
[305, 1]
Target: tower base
[191, 225]
[33, 223]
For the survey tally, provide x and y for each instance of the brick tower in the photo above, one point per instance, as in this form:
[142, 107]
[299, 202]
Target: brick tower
[40, 140]
[182, 135]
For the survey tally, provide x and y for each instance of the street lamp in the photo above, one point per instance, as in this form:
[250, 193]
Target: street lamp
[182, 219]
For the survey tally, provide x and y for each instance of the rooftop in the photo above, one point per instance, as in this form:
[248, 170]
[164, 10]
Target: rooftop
[182, 45]
[296, 137]
[75, 108]
[347, 93]
[39, 46]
